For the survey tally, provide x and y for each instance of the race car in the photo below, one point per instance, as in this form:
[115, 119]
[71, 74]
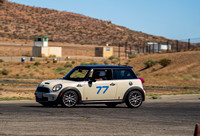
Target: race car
[93, 84]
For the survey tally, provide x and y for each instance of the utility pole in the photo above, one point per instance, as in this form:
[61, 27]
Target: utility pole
[119, 53]
[167, 46]
[125, 50]
[176, 45]
[188, 44]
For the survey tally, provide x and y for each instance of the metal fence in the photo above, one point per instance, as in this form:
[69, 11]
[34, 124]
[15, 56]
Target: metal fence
[160, 47]
[123, 50]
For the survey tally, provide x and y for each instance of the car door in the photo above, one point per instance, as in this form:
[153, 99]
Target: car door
[125, 79]
[104, 89]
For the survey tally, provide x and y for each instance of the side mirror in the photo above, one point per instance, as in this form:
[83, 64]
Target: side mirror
[91, 80]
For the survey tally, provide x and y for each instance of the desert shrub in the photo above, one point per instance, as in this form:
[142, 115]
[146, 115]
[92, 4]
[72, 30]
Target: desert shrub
[37, 70]
[49, 66]
[111, 57]
[155, 96]
[117, 58]
[73, 62]
[165, 62]
[37, 63]
[187, 77]
[67, 64]
[132, 56]
[1, 60]
[137, 73]
[4, 71]
[149, 63]
[115, 61]
[84, 63]
[60, 69]
[28, 66]
[31, 74]
[6, 64]
[195, 75]
[93, 63]
[126, 63]
[17, 74]
[52, 56]
[106, 62]
[63, 72]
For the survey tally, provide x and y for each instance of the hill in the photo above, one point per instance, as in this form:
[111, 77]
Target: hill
[23, 22]
[184, 69]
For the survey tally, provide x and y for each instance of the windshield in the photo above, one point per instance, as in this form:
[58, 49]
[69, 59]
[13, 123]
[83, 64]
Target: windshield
[77, 74]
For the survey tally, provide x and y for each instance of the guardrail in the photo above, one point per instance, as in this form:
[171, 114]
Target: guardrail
[18, 44]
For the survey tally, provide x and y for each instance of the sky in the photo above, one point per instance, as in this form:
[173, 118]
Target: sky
[174, 19]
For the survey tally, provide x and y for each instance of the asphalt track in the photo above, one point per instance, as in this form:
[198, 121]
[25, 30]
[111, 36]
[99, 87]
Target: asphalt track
[153, 118]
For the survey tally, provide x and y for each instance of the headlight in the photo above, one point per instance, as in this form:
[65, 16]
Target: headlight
[57, 88]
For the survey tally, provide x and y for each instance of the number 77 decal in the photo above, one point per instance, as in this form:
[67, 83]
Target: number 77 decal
[100, 87]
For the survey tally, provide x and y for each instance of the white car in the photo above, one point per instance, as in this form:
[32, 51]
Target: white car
[108, 84]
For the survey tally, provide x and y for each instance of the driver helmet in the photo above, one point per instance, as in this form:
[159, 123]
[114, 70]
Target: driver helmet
[102, 73]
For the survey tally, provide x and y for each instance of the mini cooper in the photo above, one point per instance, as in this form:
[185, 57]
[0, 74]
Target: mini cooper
[93, 84]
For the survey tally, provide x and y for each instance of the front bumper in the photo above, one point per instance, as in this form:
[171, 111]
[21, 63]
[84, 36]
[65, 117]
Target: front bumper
[45, 97]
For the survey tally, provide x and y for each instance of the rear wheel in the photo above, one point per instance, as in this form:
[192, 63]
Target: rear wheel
[134, 99]
[111, 105]
[69, 99]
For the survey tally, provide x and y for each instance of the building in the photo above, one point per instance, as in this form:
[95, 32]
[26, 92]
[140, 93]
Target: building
[103, 51]
[41, 41]
[158, 47]
[41, 49]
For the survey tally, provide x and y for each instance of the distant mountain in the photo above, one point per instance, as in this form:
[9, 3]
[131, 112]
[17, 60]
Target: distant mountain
[24, 22]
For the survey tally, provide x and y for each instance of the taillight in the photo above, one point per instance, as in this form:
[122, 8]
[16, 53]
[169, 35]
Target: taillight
[142, 80]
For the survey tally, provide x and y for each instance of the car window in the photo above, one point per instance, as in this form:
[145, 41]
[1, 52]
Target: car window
[123, 74]
[77, 74]
[101, 74]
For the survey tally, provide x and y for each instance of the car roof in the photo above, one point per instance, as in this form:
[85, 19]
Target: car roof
[103, 66]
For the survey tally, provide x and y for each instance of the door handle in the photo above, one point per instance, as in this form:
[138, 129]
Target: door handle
[112, 84]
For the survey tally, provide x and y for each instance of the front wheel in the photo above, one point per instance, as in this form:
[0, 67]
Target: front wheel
[69, 99]
[134, 99]
[49, 104]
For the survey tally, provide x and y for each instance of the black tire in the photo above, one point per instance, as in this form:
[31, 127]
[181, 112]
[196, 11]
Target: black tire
[47, 104]
[69, 99]
[134, 99]
[111, 105]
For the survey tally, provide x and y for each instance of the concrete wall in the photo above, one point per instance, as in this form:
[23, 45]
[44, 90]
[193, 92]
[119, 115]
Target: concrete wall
[46, 51]
[107, 52]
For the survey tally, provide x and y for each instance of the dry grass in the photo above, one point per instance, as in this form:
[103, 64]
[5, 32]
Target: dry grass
[184, 69]
[182, 72]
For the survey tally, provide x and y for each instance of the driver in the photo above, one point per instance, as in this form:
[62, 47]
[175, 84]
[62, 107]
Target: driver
[99, 75]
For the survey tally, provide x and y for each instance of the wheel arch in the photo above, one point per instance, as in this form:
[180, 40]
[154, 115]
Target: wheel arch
[70, 89]
[131, 89]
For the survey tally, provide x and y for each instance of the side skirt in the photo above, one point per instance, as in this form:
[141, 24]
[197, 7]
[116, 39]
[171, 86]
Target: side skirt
[101, 101]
